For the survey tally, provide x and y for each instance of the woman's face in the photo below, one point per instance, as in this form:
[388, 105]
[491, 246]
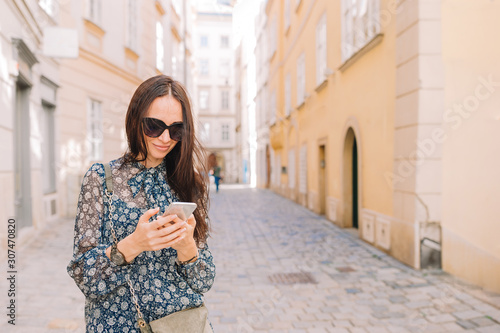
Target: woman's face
[168, 110]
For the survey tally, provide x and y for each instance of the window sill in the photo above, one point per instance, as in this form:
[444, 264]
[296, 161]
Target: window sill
[94, 28]
[301, 105]
[365, 49]
[322, 85]
[298, 6]
[131, 58]
[131, 54]
[93, 35]
[272, 55]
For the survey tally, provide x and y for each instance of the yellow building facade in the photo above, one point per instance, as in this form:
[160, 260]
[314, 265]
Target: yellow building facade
[358, 96]
[121, 44]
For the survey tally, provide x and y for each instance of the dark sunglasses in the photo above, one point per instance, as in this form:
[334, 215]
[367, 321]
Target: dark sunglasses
[155, 127]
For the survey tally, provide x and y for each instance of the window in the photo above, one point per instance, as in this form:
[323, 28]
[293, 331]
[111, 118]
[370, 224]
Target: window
[177, 4]
[94, 11]
[291, 168]
[203, 41]
[131, 25]
[204, 67]
[160, 52]
[204, 95]
[94, 129]
[301, 78]
[266, 116]
[48, 150]
[277, 174]
[303, 170]
[205, 133]
[321, 52]
[224, 42]
[273, 39]
[176, 56]
[360, 23]
[287, 14]
[288, 94]
[272, 107]
[225, 132]
[51, 7]
[224, 68]
[224, 100]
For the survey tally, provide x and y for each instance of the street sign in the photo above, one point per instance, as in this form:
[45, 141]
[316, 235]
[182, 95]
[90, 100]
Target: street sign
[60, 42]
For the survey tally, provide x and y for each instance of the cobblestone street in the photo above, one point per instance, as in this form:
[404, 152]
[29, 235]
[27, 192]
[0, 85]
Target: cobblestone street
[280, 268]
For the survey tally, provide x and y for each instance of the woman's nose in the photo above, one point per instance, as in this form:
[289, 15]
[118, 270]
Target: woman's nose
[165, 136]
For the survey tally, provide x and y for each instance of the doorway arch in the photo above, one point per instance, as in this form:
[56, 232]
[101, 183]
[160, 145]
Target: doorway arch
[350, 180]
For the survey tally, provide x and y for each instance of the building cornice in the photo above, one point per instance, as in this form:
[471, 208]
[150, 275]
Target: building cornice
[87, 55]
[365, 49]
[24, 52]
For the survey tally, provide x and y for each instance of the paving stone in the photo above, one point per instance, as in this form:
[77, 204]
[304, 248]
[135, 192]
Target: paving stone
[467, 324]
[317, 330]
[338, 330]
[466, 315]
[443, 318]
[376, 329]
[398, 299]
[341, 323]
[357, 330]
[257, 233]
[488, 329]
[397, 329]
[418, 304]
[483, 321]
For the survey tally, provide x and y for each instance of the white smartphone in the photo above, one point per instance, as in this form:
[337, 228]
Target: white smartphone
[182, 209]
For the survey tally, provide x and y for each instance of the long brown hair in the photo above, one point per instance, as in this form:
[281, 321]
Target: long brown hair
[186, 170]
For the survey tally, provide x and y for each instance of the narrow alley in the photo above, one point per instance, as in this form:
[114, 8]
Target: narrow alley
[280, 268]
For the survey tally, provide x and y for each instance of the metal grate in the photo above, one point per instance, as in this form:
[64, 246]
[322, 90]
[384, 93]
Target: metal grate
[292, 278]
[345, 269]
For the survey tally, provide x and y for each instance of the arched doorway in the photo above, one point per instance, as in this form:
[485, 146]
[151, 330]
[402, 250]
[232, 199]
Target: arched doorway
[351, 181]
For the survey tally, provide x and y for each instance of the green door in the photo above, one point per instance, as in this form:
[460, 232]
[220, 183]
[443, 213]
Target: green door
[354, 184]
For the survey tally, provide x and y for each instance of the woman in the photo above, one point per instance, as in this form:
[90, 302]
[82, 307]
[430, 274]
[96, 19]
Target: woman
[166, 259]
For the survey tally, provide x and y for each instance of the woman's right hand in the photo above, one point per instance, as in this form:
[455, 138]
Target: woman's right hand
[152, 236]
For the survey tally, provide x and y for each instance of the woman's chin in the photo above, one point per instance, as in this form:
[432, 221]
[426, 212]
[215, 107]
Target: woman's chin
[155, 158]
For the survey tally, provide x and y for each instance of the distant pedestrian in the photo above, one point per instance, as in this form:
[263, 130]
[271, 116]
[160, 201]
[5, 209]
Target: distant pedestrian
[129, 260]
[217, 176]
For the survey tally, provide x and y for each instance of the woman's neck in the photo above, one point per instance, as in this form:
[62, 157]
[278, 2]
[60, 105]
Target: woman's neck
[151, 163]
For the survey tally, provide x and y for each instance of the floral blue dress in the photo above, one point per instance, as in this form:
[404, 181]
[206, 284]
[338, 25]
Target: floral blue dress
[161, 286]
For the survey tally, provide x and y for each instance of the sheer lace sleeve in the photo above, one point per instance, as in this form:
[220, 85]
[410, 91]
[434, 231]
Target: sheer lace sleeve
[200, 274]
[91, 269]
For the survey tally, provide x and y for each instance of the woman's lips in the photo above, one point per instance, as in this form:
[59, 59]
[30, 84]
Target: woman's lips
[162, 148]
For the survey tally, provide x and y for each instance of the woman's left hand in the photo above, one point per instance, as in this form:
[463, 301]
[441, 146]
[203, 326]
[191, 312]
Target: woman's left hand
[186, 247]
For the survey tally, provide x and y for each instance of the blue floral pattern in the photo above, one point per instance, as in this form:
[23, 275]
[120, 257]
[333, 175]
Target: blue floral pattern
[162, 286]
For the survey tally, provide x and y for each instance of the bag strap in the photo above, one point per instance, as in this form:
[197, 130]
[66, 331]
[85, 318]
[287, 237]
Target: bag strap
[143, 325]
[109, 178]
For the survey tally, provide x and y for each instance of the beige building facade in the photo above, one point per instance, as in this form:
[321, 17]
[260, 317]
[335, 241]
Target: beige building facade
[122, 43]
[215, 84]
[262, 103]
[63, 114]
[29, 89]
[373, 106]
